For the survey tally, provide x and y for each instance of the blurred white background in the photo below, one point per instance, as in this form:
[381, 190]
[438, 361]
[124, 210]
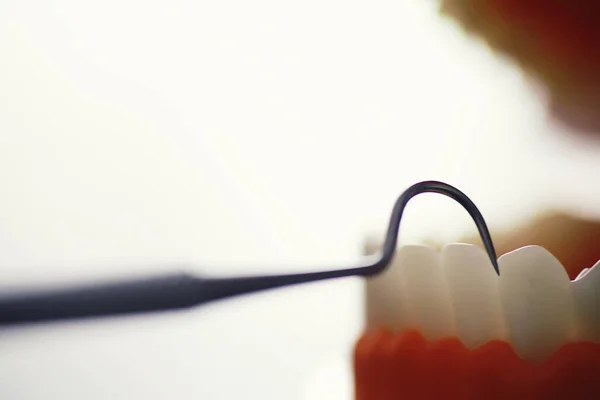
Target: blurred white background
[239, 136]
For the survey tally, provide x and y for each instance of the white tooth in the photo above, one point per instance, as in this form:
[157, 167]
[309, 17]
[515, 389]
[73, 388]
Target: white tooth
[474, 295]
[426, 292]
[535, 292]
[582, 273]
[385, 299]
[586, 292]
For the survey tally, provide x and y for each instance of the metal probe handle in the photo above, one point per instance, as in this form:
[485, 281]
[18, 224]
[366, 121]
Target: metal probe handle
[171, 292]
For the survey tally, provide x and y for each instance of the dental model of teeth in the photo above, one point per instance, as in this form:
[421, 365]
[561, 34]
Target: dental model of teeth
[449, 314]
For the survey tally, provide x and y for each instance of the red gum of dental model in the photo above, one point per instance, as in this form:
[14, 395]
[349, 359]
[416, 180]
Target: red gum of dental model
[405, 366]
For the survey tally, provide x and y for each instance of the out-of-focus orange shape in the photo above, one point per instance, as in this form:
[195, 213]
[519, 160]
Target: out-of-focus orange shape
[405, 366]
[555, 41]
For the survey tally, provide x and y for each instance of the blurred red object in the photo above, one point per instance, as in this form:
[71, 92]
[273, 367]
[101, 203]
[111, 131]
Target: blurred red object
[556, 42]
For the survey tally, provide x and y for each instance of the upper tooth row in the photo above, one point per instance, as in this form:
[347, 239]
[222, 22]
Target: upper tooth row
[532, 304]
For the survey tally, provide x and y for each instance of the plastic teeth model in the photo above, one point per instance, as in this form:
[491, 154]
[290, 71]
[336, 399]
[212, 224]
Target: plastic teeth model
[532, 305]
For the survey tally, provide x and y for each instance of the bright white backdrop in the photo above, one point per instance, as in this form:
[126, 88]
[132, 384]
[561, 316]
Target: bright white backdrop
[240, 136]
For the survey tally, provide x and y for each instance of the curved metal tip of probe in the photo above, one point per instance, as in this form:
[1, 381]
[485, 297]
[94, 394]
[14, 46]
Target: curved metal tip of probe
[391, 237]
